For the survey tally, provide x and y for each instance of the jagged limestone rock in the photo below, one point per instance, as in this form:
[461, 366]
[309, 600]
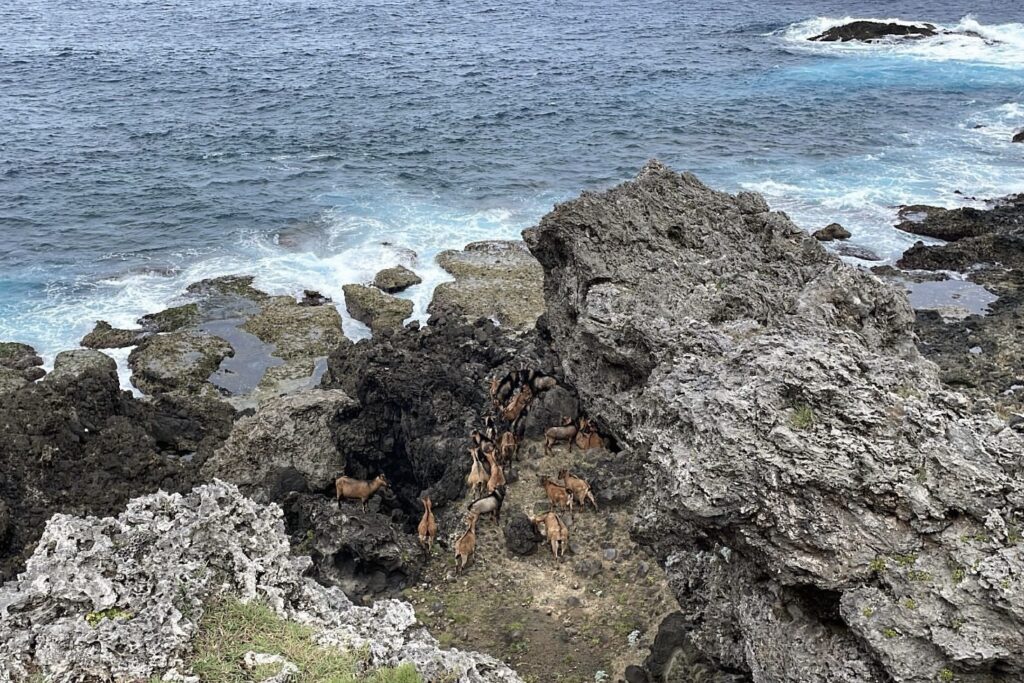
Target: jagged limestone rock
[826, 510]
[121, 598]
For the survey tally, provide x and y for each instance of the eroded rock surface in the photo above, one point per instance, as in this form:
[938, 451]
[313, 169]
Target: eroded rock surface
[396, 279]
[493, 279]
[121, 598]
[376, 309]
[178, 362]
[104, 336]
[826, 509]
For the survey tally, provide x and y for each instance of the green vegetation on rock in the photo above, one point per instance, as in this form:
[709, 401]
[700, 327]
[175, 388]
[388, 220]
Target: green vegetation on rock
[230, 628]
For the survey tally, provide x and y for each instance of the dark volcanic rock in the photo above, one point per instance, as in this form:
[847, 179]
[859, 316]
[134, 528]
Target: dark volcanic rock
[874, 30]
[1018, 136]
[103, 336]
[421, 392]
[376, 309]
[955, 224]
[76, 443]
[521, 537]
[857, 251]
[396, 279]
[548, 409]
[806, 470]
[832, 231]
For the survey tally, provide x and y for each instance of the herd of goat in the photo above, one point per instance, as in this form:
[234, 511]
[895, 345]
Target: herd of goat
[492, 455]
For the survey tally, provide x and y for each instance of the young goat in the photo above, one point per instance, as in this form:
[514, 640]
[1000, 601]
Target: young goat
[579, 487]
[428, 526]
[477, 477]
[466, 545]
[497, 478]
[489, 504]
[559, 496]
[517, 405]
[553, 435]
[557, 533]
[356, 489]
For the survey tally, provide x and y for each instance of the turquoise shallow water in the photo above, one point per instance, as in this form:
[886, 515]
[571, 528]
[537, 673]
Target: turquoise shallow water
[144, 145]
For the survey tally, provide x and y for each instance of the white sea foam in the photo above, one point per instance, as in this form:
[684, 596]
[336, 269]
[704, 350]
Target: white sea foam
[968, 40]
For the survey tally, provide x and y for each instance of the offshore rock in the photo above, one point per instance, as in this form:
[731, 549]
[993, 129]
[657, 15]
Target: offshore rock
[825, 509]
[396, 279]
[103, 336]
[376, 309]
[179, 362]
[832, 231]
[870, 31]
[121, 598]
[955, 224]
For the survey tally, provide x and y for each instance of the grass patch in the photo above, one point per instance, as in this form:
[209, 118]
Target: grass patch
[94, 618]
[802, 417]
[231, 628]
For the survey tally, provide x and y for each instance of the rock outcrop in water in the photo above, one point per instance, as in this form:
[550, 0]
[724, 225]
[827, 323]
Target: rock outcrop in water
[869, 31]
[827, 511]
[120, 598]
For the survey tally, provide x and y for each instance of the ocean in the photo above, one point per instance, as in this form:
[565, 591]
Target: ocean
[146, 144]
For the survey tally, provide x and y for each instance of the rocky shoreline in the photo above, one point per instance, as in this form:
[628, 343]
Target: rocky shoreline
[832, 481]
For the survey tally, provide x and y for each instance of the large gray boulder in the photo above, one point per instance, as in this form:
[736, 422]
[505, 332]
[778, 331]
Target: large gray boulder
[122, 598]
[290, 433]
[825, 509]
[179, 362]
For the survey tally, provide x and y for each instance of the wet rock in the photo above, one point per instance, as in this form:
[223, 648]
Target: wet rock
[311, 297]
[870, 31]
[294, 432]
[956, 224]
[178, 362]
[793, 436]
[1018, 136]
[857, 251]
[175, 554]
[832, 231]
[103, 336]
[494, 279]
[33, 374]
[521, 537]
[227, 286]
[171, 319]
[15, 356]
[374, 308]
[396, 279]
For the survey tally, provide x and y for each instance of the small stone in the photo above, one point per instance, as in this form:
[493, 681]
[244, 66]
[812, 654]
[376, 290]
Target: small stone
[832, 231]
[573, 601]
[634, 674]
[642, 569]
[609, 554]
[588, 568]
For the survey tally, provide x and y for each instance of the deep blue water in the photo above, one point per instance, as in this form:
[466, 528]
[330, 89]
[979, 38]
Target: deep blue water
[144, 145]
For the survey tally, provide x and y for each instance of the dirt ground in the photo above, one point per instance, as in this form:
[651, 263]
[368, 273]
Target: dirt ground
[583, 619]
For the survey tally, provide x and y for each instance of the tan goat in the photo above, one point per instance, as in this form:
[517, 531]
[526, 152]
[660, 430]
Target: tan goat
[508, 447]
[559, 496]
[551, 526]
[348, 488]
[580, 488]
[497, 478]
[466, 545]
[566, 432]
[477, 477]
[428, 526]
[517, 405]
[587, 436]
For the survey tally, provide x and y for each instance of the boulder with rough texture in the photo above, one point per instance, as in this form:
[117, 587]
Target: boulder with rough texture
[293, 432]
[396, 279]
[521, 537]
[825, 509]
[832, 231]
[104, 336]
[496, 279]
[19, 363]
[376, 309]
[870, 31]
[121, 598]
[178, 362]
[966, 222]
[858, 252]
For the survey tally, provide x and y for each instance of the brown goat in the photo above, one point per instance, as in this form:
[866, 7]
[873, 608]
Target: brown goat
[356, 489]
[466, 545]
[557, 533]
[559, 496]
[497, 478]
[428, 526]
[482, 441]
[566, 432]
[508, 447]
[587, 436]
[477, 477]
[579, 487]
[517, 405]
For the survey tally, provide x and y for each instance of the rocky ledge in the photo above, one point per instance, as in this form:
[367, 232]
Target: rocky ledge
[826, 509]
[121, 598]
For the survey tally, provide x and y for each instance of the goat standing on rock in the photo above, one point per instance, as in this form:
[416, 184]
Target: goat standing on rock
[466, 545]
[356, 489]
[579, 487]
[428, 526]
[566, 432]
